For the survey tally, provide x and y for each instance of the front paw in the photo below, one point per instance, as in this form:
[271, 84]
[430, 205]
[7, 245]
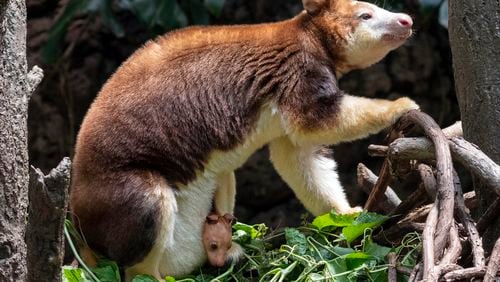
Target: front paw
[402, 106]
[352, 210]
[405, 104]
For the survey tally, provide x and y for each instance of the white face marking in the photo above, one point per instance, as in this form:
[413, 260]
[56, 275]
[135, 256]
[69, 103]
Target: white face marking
[378, 32]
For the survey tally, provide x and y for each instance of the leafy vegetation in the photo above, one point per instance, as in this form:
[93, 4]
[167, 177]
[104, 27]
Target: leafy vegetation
[332, 248]
[157, 15]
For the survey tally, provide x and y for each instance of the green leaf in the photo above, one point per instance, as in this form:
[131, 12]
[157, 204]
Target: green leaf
[323, 221]
[214, 6]
[344, 219]
[169, 279]
[363, 221]
[338, 269]
[370, 217]
[148, 278]
[333, 219]
[341, 251]
[71, 274]
[53, 47]
[297, 240]
[381, 276]
[376, 250]
[357, 259]
[254, 231]
[107, 271]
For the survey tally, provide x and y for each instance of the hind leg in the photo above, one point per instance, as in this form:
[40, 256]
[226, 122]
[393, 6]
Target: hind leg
[122, 215]
[167, 208]
[224, 201]
[225, 193]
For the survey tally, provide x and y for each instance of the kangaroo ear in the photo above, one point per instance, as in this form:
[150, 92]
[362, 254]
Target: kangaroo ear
[313, 7]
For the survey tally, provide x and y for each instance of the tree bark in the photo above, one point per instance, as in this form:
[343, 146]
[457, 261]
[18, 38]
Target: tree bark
[16, 86]
[474, 28]
[48, 201]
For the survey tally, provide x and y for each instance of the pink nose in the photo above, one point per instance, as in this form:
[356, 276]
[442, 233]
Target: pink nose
[405, 21]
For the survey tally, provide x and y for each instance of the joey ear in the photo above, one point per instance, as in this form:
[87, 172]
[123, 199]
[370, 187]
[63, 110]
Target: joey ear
[230, 218]
[313, 7]
[212, 218]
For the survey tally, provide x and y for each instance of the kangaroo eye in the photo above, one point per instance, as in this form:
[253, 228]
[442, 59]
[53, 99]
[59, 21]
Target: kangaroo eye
[365, 16]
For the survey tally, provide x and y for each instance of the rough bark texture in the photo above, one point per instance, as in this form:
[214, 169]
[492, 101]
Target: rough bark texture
[367, 180]
[13, 138]
[15, 90]
[48, 196]
[475, 36]
[421, 148]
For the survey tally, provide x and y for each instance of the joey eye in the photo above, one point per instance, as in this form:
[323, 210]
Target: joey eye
[213, 246]
[365, 16]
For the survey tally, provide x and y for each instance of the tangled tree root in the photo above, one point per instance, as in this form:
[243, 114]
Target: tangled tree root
[447, 217]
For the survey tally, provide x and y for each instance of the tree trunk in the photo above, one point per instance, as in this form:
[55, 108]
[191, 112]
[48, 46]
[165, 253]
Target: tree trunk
[474, 28]
[48, 201]
[16, 86]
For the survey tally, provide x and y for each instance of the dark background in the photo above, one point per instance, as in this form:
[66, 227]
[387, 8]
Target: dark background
[421, 69]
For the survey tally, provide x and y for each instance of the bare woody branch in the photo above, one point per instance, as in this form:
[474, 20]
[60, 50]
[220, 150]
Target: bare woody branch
[462, 151]
[393, 275]
[468, 223]
[380, 186]
[440, 232]
[367, 180]
[385, 174]
[455, 130]
[463, 274]
[493, 265]
[428, 240]
[444, 168]
[477, 162]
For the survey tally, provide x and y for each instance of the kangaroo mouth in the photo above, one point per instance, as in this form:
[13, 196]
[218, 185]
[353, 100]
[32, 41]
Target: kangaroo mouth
[396, 37]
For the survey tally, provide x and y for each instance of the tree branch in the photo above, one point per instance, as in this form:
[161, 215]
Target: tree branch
[477, 162]
[380, 186]
[464, 152]
[393, 274]
[428, 239]
[494, 263]
[367, 180]
[444, 167]
[468, 223]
